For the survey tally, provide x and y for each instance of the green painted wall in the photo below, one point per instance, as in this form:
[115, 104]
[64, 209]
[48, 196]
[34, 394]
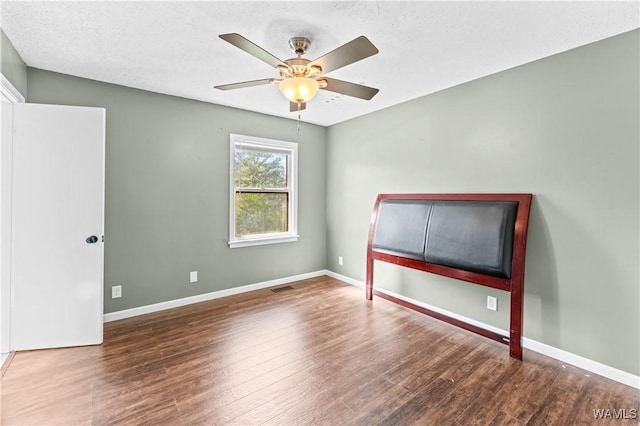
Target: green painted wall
[12, 65]
[167, 192]
[565, 128]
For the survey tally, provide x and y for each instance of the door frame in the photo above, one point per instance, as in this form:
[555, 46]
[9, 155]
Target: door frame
[9, 95]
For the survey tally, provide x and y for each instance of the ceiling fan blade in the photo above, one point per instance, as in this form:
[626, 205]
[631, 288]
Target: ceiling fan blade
[295, 107]
[253, 49]
[353, 51]
[244, 84]
[350, 89]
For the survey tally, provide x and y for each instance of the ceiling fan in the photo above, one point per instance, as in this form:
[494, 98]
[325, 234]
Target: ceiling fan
[301, 78]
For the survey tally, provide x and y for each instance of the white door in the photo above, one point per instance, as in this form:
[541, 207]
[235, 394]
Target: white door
[58, 202]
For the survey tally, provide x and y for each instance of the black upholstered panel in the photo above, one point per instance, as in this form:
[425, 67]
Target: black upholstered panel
[475, 236]
[401, 227]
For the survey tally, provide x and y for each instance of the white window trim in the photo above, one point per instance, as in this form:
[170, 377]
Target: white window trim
[272, 238]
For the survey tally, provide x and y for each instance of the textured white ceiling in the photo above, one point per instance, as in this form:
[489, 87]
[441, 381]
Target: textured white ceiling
[173, 47]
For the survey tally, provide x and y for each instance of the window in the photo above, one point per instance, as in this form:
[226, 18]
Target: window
[263, 196]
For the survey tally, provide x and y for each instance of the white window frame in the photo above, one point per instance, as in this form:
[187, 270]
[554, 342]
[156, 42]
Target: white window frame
[272, 145]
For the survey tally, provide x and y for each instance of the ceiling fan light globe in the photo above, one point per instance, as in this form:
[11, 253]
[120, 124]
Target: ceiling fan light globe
[299, 89]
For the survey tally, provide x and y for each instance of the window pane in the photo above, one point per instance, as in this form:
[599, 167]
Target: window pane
[261, 212]
[259, 169]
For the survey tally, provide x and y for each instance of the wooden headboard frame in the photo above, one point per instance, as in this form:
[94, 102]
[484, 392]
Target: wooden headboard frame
[514, 285]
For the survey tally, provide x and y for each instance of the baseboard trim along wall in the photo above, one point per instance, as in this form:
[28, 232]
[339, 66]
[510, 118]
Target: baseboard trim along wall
[559, 354]
[133, 312]
[5, 360]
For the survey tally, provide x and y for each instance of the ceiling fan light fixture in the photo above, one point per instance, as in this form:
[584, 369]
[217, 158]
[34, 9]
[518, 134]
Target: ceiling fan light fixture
[299, 89]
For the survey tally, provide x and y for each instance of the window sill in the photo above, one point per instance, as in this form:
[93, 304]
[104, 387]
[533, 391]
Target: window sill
[262, 241]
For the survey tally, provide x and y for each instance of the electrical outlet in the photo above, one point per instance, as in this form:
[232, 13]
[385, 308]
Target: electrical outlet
[116, 291]
[340, 260]
[193, 276]
[492, 303]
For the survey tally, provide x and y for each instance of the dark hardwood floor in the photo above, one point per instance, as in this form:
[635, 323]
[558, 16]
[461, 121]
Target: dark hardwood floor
[318, 353]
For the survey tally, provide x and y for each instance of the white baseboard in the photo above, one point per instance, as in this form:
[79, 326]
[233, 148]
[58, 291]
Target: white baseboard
[133, 312]
[544, 349]
[584, 363]
[3, 358]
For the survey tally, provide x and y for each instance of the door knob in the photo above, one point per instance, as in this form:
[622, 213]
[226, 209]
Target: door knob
[92, 239]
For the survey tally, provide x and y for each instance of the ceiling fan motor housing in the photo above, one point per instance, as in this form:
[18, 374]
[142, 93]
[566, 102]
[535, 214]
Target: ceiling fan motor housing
[299, 67]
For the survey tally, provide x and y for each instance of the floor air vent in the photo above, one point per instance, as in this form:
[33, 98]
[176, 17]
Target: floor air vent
[279, 289]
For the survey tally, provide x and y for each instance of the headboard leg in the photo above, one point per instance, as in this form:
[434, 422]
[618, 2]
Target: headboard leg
[369, 283]
[515, 323]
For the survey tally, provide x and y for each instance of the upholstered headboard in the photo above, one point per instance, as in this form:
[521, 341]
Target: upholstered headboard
[479, 238]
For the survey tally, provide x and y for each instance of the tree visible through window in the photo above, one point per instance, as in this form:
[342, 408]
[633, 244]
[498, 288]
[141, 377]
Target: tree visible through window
[263, 183]
[262, 198]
